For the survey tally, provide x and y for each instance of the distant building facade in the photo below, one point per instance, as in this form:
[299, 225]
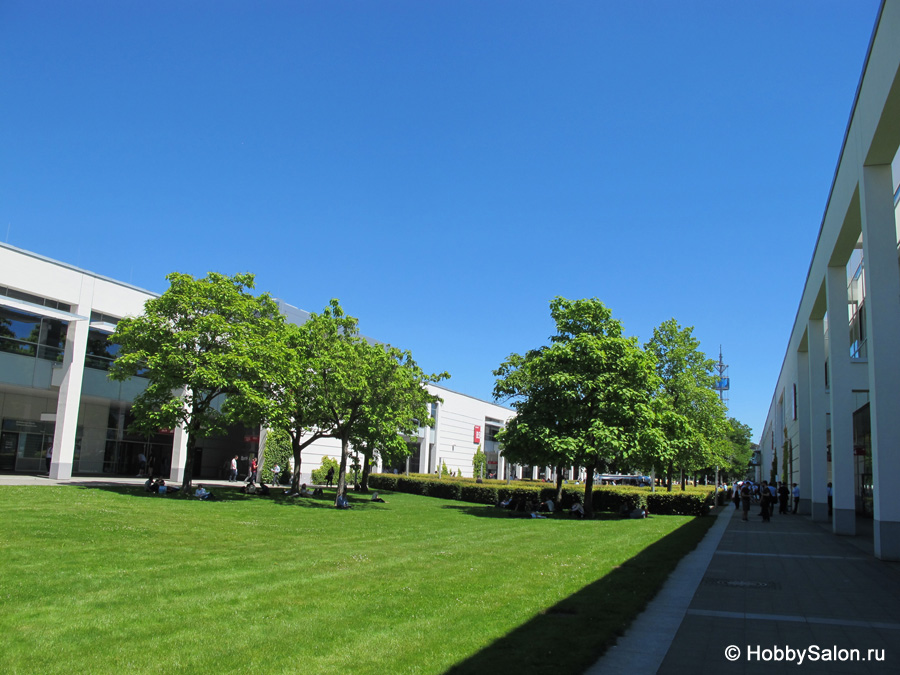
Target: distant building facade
[54, 391]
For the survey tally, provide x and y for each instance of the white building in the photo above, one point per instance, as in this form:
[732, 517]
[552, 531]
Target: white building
[835, 414]
[54, 389]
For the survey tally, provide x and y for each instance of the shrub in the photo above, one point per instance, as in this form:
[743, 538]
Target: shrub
[679, 503]
[445, 472]
[318, 475]
[605, 498]
[277, 450]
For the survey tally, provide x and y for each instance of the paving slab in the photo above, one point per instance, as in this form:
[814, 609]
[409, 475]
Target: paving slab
[785, 596]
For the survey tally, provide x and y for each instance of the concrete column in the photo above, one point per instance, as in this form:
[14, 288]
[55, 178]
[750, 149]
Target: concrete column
[803, 427]
[883, 328]
[69, 400]
[423, 451]
[179, 454]
[434, 459]
[818, 407]
[840, 376]
[261, 459]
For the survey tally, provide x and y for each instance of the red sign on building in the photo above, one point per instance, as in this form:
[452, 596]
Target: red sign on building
[477, 434]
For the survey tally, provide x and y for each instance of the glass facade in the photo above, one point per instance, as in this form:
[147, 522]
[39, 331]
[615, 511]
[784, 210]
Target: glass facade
[32, 335]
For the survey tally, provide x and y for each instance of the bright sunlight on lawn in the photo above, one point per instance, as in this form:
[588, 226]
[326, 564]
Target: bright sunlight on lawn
[109, 580]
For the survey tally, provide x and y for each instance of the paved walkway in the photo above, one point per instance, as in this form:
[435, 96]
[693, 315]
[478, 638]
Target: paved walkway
[43, 479]
[764, 589]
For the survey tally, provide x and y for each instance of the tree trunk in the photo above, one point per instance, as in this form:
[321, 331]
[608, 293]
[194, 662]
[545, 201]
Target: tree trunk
[682, 479]
[589, 493]
[342, 473]
[559, 480]
[296, 449]
[669, 471]
[367, 458]
[189, 460]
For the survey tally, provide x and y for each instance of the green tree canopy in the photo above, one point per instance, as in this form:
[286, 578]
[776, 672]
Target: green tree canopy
[365, 393]
[204, 346]
[690, 415]
[586, 398]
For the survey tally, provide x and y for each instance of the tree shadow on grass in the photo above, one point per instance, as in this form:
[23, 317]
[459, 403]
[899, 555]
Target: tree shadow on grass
[234, 494]
[570, 636]
[486, 511]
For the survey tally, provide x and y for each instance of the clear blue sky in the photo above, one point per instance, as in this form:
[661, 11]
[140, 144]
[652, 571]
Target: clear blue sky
[443, 168]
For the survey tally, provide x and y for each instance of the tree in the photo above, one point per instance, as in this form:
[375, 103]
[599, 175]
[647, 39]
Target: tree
[739, 450]
[371, 394]
[691, 416]
[203, 345]
[479, 463]
[295, 400]
[586, 398]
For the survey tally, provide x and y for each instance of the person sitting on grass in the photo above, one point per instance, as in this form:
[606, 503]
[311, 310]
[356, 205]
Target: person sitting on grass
[548, 506]
[202, 493]
[304, 492]
[318, 492]
[163, 489]
[505, 503]
[578, 509]
[376, 498]
[341, 502]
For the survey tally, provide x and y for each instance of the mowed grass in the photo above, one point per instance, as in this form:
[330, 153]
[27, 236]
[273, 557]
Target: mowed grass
[110, 580]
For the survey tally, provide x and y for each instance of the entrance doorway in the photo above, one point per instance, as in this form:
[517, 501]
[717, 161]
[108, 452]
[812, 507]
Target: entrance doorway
[23, 445]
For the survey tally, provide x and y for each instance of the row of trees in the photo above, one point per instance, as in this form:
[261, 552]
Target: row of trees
[215, 355]
[595, 398]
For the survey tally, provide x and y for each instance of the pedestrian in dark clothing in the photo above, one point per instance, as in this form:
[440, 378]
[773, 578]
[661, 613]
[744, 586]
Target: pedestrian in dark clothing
[765, 502]
[784, 496]
[329, 477]
[745, 501]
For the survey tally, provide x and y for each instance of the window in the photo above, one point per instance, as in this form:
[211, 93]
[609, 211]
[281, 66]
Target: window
[32, 335]
[795, 401]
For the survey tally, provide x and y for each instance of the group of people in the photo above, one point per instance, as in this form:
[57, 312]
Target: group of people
[158, 486]
[536, 509]
[745, 493]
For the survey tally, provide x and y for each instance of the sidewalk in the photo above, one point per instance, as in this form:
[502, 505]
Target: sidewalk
[43, 479]
[768, 587]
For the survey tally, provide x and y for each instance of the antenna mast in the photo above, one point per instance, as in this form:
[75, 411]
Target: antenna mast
[723, 383]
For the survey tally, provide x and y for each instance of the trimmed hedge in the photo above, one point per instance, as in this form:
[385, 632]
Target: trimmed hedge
[694, 502]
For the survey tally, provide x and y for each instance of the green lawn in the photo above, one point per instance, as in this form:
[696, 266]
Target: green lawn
[103, 580]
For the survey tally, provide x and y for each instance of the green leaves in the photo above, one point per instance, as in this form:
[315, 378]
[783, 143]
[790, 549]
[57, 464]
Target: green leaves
[586, 398]
[199, 341]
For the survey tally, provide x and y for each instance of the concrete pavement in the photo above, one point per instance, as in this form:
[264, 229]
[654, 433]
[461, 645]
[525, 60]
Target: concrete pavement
[786, 596]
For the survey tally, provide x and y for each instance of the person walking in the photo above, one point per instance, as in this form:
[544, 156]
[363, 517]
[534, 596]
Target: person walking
[329, 477]
[233, 476]
[253, 468]
[48, 458]
[795, 490]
